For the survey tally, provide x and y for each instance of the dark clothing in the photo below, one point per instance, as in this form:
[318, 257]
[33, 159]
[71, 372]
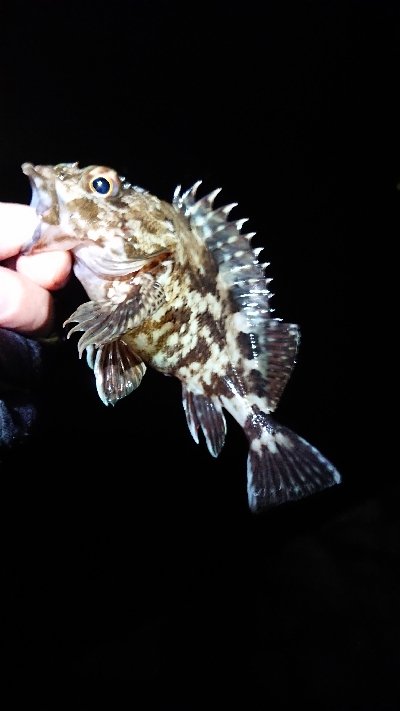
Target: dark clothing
[20, 360]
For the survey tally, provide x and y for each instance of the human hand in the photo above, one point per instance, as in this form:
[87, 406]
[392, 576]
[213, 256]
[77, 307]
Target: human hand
[26, 304]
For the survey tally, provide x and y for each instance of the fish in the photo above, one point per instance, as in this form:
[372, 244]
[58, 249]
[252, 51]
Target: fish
[178, 287]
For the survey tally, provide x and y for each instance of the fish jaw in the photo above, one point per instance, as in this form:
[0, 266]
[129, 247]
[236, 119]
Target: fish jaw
[53, 233]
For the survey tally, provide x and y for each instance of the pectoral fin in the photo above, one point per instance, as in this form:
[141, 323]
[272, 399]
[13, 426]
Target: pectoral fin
[106, 320]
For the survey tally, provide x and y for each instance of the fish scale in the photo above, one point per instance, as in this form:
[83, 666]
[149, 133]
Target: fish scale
[178, 287]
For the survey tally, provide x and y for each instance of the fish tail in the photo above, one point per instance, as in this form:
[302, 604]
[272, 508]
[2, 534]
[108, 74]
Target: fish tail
[282, 466]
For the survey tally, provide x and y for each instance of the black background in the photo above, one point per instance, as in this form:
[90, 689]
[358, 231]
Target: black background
[134, 576]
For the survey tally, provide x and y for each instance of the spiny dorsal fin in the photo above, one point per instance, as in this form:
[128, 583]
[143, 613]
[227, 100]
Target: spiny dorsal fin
[237, 261]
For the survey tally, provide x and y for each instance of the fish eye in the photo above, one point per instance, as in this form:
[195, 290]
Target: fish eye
[105, 183]
[102, 186]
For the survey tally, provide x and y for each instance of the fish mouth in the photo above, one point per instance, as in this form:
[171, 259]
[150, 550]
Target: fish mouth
[49, 235]
[40, 178]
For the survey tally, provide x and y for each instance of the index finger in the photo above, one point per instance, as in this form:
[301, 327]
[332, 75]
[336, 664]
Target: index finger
[17, 225]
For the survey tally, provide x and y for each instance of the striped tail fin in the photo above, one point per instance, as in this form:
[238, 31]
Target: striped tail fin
[282, 466]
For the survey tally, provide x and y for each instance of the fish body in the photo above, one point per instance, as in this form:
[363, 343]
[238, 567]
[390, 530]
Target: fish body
[179, 288]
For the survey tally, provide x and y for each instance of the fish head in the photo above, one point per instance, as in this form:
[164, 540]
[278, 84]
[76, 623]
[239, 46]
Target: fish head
[113, 227]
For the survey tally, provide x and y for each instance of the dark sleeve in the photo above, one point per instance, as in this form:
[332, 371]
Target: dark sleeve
[20, 362]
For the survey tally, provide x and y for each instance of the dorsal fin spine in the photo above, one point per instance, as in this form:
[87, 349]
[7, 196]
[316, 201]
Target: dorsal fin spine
[237, 261]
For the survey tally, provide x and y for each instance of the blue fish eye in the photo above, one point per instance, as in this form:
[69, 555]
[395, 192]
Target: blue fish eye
[102, 186]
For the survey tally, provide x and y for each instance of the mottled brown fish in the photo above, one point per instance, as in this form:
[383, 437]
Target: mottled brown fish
[178, 287]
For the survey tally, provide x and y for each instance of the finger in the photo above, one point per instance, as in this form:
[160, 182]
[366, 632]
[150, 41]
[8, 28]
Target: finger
[17, 225]
[50, 270]
[24, 306]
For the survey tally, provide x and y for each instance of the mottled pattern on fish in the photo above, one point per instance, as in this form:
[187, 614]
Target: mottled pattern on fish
[178, 287]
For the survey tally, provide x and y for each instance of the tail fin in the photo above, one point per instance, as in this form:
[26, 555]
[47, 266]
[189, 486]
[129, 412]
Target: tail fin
[282, 466]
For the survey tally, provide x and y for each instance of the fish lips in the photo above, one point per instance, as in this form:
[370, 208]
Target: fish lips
[49, 235]
[41, 200]
[43, 189]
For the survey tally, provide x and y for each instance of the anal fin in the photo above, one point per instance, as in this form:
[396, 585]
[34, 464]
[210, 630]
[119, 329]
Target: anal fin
[203, 412]
[282, 466]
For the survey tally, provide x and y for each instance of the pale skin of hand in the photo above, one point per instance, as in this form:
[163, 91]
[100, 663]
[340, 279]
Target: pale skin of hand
[26, 304]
